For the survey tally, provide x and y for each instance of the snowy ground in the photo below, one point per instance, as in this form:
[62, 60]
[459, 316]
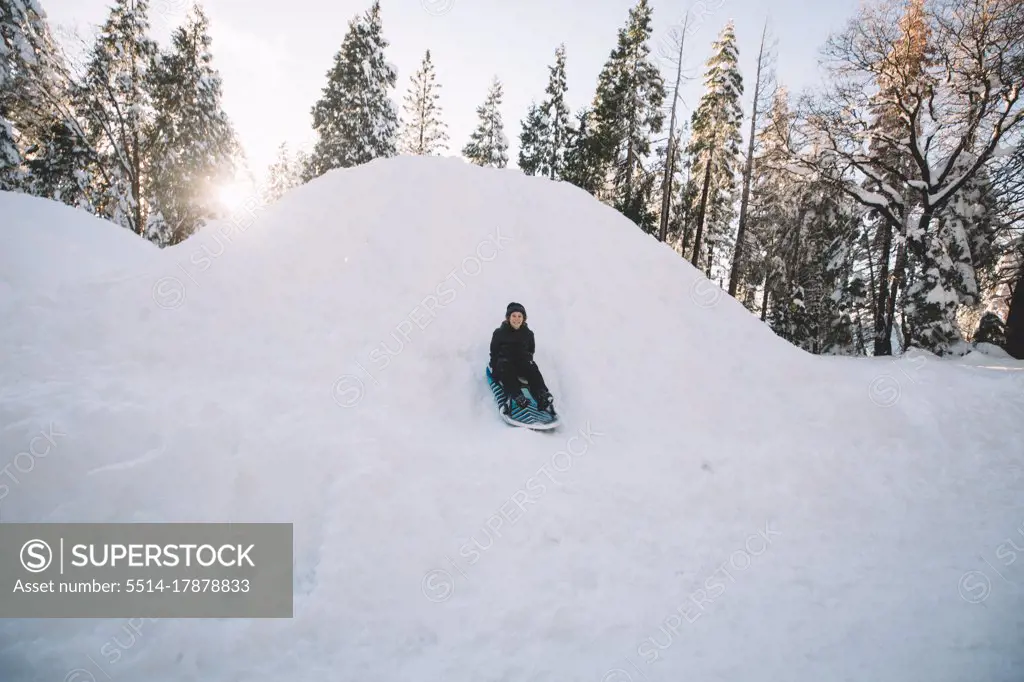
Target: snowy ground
[718, 506]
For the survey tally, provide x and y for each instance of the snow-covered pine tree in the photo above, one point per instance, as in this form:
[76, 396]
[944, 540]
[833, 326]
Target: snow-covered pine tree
[545, 133]
[59, 163]
[798, 245]
[424, 133]
[300, 162]
[50, 157]
[627, 113]
[27, 53]
[582, 160]
[772, 209]
[284, 174]
[355, 118]
[960, 246]
[714, 152]
[681, 219]
[845, 294]
[668, 187]
[531, 140]
[114, 104]
[557, 114]
[812, 290]
[192, 145]
[828, 221]
[764, 82]
[846, 264]
[20, 24]
[488, 145]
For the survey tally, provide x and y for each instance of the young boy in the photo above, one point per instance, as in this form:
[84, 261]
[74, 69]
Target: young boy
[512, 349]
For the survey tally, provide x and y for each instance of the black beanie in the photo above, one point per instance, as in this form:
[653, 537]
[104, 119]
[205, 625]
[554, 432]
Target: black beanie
[515, 307]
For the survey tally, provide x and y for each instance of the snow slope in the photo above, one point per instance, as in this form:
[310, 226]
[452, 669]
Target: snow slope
[718, 506]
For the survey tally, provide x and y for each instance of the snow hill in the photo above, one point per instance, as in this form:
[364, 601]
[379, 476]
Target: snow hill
[718, 506]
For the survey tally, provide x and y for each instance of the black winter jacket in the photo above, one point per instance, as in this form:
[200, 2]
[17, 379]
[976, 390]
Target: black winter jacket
[513, 345]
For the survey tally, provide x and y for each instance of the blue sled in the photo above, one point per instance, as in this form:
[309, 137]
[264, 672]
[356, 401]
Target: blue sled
[529, 417]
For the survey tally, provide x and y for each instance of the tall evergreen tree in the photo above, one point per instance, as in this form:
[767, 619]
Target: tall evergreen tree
[59, 164]
[627, 113]
[424, 132]
[532, 140]
[557, 115]
[773, 207]
[679, 228]
[714, 152]
[800, 230]
[192, 144]
[114, 102]
[32, 130]
[488, 145]
[21, 29]
[544, 138]
[960, 246]
[815, 295]
[284, 174]
[355, 119]
[582, 160]
[763, 78]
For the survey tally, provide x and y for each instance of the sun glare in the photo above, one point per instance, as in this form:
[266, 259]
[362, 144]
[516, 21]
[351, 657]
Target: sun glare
[233, 195]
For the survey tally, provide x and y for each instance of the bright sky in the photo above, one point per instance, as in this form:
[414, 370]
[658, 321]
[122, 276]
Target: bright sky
[273, 56]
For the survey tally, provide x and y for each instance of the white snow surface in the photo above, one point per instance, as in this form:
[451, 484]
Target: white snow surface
[718, 506]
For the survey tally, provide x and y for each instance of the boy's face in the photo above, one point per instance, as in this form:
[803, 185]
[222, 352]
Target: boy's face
[516, 319]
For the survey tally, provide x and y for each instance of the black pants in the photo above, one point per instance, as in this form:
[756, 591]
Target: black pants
[507, 374]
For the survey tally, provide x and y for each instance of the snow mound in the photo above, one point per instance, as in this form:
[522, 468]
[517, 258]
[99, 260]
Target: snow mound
[48, 245]
[718, 506]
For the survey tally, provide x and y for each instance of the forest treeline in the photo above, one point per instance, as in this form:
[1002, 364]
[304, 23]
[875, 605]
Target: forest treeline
[878, 212]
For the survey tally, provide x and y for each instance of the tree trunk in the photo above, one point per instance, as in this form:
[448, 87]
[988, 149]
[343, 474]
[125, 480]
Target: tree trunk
[136, 182]
[747, 171]
[686, 228]
[703, 200]
[890, 293]
[666, 183]
[883, 338]
[873, 287]
[1015, 318]
[136, 162]
[686, 224]
[899, 272]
